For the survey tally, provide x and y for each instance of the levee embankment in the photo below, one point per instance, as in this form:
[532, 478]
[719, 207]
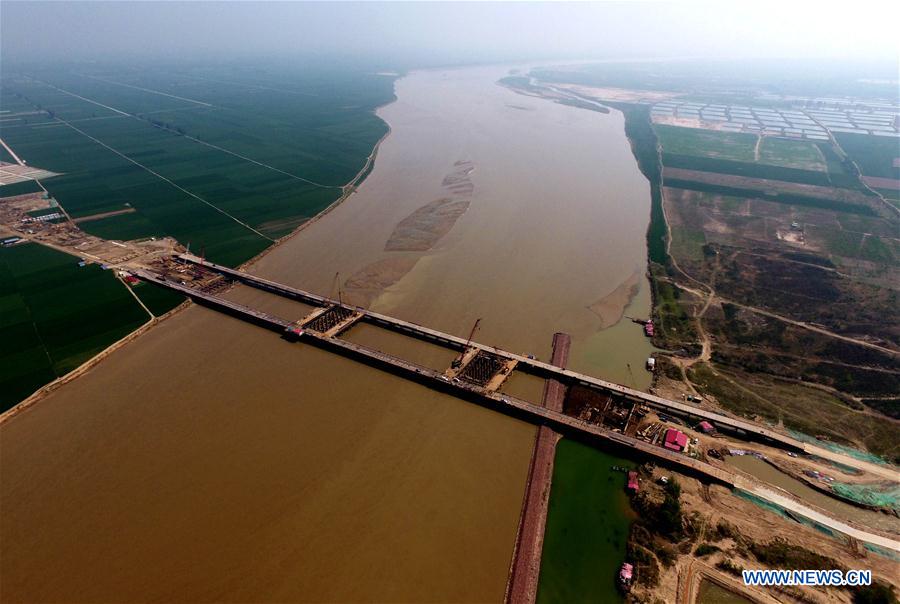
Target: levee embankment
[525, 568]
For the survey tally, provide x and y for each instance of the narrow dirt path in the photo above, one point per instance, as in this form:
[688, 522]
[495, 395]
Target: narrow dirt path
[801, 324]
[136, 297]
[11, 152]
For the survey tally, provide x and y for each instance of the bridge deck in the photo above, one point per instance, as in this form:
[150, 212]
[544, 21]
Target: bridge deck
[512, 406]
[523, 363]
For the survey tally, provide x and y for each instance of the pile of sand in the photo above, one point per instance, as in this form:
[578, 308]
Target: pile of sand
[611, 307]
[422, 229]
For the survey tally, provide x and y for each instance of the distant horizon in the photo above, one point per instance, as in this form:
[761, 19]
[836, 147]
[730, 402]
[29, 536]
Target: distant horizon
[409, 34]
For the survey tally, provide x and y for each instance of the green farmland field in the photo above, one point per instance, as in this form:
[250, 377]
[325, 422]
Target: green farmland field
[158, 299]
[224, 159]
[875, 155]
[803, 155]
[54, 315]
[800, 161]
[736, 146]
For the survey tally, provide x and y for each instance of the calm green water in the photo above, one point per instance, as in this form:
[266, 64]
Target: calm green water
[587, 527]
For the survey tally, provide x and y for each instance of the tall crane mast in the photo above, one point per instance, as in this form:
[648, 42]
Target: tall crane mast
[337, 282]
[458, 360]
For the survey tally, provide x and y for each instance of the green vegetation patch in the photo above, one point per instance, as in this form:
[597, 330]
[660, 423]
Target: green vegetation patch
[228, 174]
[736, 146]
[875, 155]
[54, 315]
[123, 227]
[804, 162]
[643, 145]
[800, 154]
[20, 188]
[687, 243]
[779, 553]
[158, 299]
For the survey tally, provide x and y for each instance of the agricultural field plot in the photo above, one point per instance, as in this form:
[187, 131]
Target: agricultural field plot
[54, 315]
[771, 159]
[158, 300]
[877, 156]
[892, 196]
[223, 163]
[804, 155]
[801, 162]
[735, 146]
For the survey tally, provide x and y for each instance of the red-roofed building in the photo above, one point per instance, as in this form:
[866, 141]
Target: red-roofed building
[675, 440]
[706, 427]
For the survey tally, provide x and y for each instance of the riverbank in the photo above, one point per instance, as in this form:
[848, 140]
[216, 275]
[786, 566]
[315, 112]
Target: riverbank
[346, 191]
[42, 392]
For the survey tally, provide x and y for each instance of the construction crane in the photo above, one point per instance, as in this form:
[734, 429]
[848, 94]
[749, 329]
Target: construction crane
[337, 283]
[458, 360]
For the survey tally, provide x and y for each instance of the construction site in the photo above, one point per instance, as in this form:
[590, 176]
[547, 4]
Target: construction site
[39, 218]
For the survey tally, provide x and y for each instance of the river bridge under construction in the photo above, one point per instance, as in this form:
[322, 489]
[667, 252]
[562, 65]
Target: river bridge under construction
[478, 372]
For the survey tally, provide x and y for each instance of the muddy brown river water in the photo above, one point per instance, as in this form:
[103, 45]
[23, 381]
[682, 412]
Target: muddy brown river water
[211, 460]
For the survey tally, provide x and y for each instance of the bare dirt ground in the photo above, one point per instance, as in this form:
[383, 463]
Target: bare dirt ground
[731, 180]
[103, 215]
[65, 235]
[13, 173]
[712, 504]
[619, 94]
[881, 183]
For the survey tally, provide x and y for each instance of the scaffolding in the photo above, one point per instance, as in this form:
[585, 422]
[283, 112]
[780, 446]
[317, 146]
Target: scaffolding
[329, 319]
[482, 368]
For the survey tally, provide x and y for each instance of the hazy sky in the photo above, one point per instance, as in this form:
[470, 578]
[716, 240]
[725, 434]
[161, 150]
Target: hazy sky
[450, 32]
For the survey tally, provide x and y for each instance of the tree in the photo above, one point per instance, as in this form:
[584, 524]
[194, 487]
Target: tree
[877, 593]
[669, 518]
